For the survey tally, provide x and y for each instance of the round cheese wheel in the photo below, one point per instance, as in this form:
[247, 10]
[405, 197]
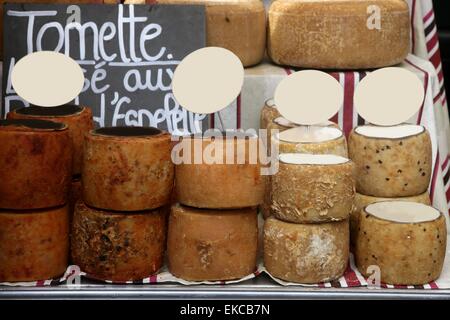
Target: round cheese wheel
[215, 183]
[35, 164]
[212, 244]
[362, 200]
[77, 118]
[306, 253]
[406, 240]
[312, 139]
[391, 161]
[312, 188]
[318, 139]
[269, 112]
[127, 168]
[370, 34]
[34, 244]
[236, 25]
[75, 195]
[118, 246]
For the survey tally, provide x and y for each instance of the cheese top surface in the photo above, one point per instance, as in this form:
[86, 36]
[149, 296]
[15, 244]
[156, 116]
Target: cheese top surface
[311, 134]
[403, 211]
[306, 159]
[391, 132]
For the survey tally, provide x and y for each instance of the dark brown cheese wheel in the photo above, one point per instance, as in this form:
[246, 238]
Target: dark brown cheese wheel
[75, 194]
[306, 253]
[118, 246]
[405, 240]
[127, 168]
[212, 244]
[35, 164]
[337, 34]
[391, 161]
[77, 118]
[236, 25]
[34, 244]
[214, 183]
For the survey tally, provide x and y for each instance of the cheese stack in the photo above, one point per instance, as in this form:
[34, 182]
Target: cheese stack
[318, 139]
[35, 175]
[79, 121]
[392, 163]
[213, 231]
[307, 238]
[336, 34]
[119, 228]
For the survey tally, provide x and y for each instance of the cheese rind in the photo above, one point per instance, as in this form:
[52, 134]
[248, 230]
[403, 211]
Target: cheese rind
[79, 124]
[335, 34]
[306, 253]
[221, 185]
[35, 164]
[414, 254]
[212, 244]
[362, 200]
[34, 244]
[391, 167]
[236, 25]
[118, 246]
[127, 173]
[311, 193]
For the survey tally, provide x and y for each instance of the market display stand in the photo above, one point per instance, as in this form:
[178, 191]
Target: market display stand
[259, 288]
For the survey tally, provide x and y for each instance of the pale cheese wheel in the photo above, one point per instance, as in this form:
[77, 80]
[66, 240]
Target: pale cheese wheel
[77, 118]
[391, 161]
[118, 246]
[34, 244]
[236, 25]
[306, 253]
[35, 164]
[336, 34]
[212, 244]
[406, 240]
[127, 168]
[318, 139]
[362, 200]
[313, 188]
[269, 112]
[214, 183]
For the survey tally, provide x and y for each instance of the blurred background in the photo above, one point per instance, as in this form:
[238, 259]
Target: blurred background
[442, 13]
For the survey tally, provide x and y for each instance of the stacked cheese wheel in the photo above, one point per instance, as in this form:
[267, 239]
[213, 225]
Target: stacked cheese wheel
[35, 175]
[392, 164]
[336, 34]
[119, 228]
[79, 121]
[213, 231]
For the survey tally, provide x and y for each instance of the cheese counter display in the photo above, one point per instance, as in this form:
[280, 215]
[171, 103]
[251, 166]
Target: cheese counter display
[128, 190]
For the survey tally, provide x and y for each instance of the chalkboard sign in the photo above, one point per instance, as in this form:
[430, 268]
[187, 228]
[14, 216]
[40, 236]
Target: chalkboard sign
[128, 54]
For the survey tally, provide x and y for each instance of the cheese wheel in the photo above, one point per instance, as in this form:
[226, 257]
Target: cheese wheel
[312, 188]
[306, 253]
[336, 34]
[236, 25]
[406, 240]
[318, 139]
[215, 183]
[313, 140]
[118, 246]
[34, 244]
[75, 195]
[35, 164]
[212, 244]
[127, 168]
[391, 161]
[77, 118]
[362, 200]
[269, 112]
